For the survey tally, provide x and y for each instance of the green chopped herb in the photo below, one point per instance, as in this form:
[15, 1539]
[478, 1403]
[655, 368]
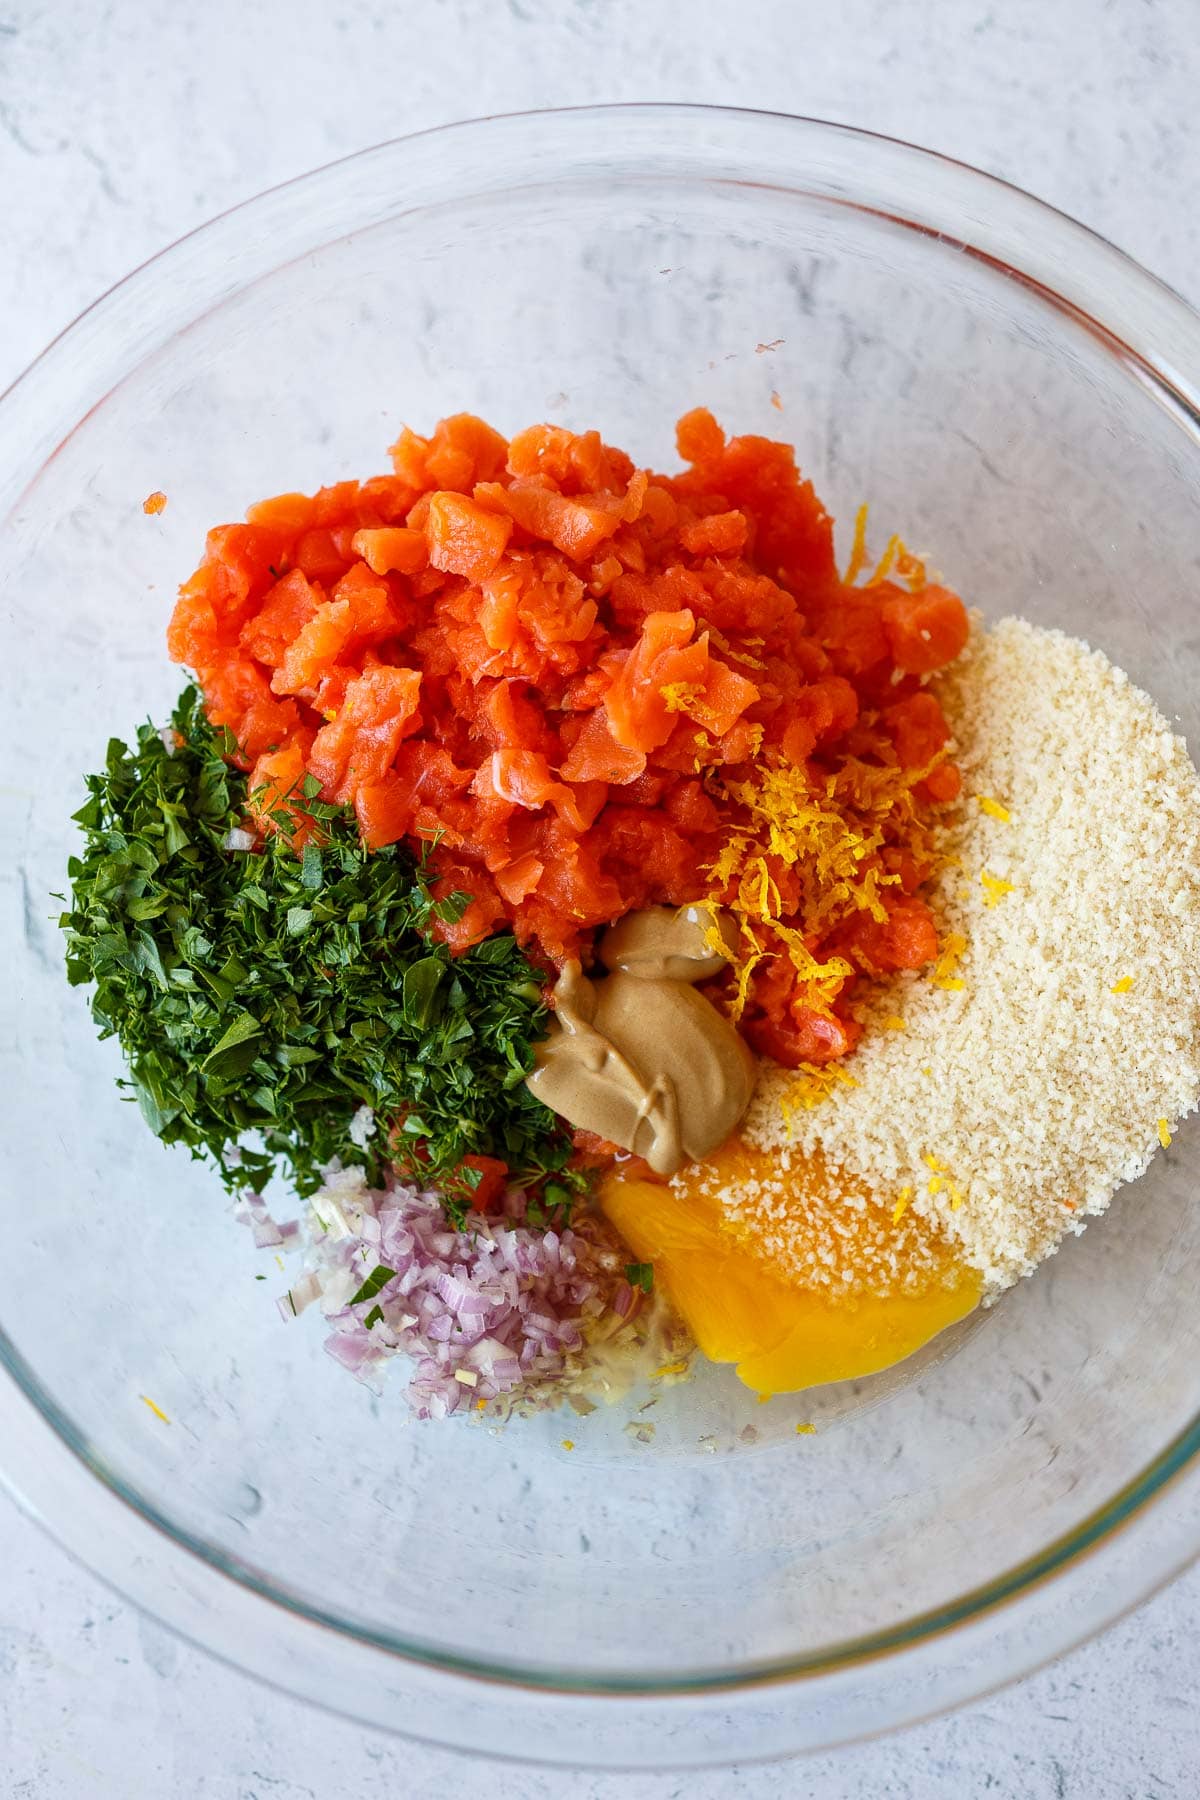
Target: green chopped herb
[373, 1317]
[265, 995]
[640, 1275]
[377, 1279]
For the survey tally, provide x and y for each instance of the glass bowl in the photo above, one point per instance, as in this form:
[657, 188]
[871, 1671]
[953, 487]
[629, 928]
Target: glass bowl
[1019, 400]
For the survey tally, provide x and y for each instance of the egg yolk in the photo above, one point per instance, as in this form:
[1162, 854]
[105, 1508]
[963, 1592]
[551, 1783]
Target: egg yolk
[784, 1336]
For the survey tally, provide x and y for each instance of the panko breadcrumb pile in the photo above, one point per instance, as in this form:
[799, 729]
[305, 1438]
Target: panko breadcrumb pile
[826, 1231]
[1011, 1090]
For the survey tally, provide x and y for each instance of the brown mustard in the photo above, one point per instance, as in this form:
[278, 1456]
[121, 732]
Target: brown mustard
[638, 1056]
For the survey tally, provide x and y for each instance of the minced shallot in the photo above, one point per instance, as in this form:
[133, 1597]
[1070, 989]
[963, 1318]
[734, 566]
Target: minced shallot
[496, 1312]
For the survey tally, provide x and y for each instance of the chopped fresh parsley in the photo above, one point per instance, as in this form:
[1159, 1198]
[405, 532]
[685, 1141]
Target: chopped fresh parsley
[269, 994]
[640, 1275]
[376, 1280]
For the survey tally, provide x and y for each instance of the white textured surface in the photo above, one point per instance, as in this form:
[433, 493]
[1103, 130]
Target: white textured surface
[123, 125]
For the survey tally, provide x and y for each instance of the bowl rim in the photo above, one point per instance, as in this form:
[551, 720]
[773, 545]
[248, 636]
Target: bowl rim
[1141, 319]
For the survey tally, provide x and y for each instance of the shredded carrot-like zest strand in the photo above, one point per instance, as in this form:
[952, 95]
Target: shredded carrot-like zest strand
[825, 844]
[858, 547]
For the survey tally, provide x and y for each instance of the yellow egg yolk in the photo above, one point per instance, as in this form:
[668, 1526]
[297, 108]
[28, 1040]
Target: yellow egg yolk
[743, 1308]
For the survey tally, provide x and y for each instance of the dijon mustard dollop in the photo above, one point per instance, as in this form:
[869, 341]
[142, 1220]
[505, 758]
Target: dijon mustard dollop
[638, 1056]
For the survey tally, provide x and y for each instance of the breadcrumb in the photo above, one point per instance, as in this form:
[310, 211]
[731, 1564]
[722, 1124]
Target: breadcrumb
[1039, 1085]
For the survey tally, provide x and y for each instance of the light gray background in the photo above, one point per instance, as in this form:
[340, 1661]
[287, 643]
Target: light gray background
[123, 125]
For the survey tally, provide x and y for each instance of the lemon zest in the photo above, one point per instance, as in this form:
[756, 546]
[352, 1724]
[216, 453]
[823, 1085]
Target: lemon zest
[681, 696]
[814, 1082]
[858, 547]
[811, 853]
[911, 569]
[994, 888]
[943, 973]
[952, 949]
[905, 562]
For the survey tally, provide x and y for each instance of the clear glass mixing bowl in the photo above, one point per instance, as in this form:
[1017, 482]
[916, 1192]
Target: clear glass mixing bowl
[1016, 397]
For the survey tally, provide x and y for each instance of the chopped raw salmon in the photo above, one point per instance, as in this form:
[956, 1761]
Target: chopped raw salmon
[554, 671]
